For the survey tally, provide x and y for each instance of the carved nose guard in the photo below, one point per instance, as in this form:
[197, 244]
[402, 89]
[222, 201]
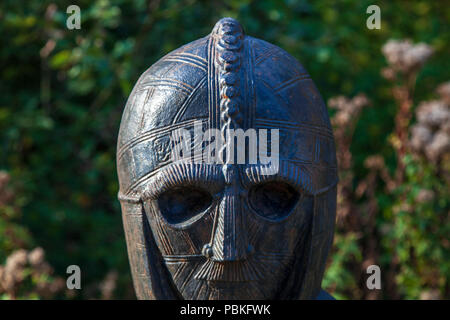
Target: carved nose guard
[229, 242]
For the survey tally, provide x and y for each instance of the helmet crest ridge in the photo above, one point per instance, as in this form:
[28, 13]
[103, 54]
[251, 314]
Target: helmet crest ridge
[229, 49]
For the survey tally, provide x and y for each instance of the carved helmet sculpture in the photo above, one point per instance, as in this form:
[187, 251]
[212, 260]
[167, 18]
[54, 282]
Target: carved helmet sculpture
[198, 230]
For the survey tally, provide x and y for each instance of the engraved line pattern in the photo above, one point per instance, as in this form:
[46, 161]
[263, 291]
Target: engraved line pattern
[316, 149]
[180, 269]
[280, 124]
[311, 164]
[175, 81]
[183, 257]
[212, 84]
[172, 83]
[290, 82]
[132, 189]
[192, 56]
[197, 289]
[147, 97]
[187, 239]
[219, 233]
[186, 280]
[186, 61]
[254, 230]
[162, 236]
[251, 103]
[266, 54]
[188, 58]
[188, 100]
[154, 133]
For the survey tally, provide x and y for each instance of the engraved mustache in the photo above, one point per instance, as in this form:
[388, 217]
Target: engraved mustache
[238, 271]
[235, 271]
[257, 268]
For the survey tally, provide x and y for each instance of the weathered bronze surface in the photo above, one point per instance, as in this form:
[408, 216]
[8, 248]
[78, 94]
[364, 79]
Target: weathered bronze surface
[227, 231]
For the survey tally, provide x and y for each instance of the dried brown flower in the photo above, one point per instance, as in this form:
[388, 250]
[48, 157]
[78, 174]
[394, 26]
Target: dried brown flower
[431, 135]
[438, 146]
[421, 135]
[405, 57]
[36, 257]
[433, 113]
[20, 266]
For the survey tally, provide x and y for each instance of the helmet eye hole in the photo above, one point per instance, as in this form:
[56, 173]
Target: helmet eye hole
[273, 200]
[180, 204]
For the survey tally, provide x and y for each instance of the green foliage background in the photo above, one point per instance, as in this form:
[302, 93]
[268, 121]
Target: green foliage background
[60, 110]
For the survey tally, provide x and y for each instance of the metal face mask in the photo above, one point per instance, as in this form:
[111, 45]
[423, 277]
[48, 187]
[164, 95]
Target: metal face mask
[223, 229]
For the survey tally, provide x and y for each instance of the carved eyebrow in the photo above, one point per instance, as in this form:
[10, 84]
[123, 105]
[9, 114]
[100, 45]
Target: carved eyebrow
[298, 176]
[179, 174]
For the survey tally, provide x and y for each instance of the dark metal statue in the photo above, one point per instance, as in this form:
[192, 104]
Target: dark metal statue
[226, 230]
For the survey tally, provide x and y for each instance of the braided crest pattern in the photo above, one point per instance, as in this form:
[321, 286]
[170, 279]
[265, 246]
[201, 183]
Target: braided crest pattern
[228, 62]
